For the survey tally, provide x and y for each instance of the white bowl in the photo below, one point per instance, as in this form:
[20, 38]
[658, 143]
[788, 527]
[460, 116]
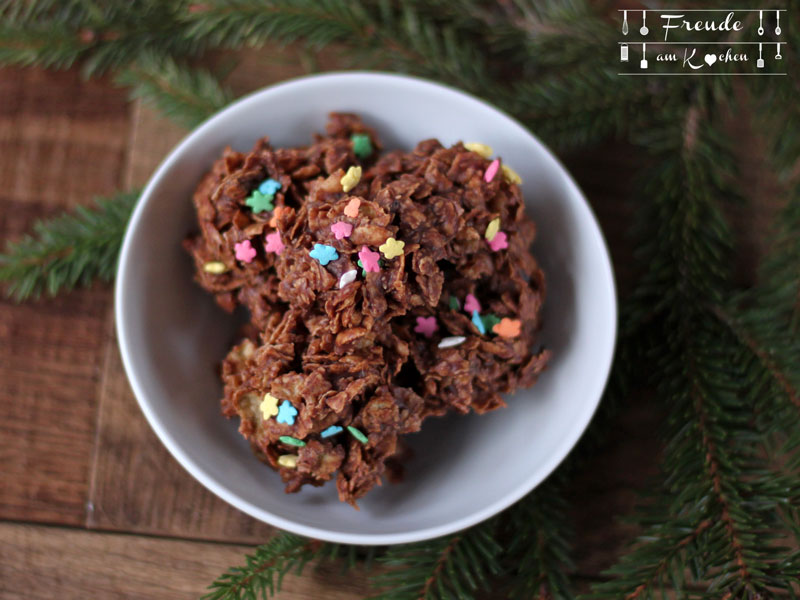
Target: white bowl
[466, 469]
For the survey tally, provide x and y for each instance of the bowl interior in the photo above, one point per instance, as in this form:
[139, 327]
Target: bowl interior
[172, 335]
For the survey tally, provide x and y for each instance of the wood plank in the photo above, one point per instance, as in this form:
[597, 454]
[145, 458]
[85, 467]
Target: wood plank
[41, 563]
[136, 484]
[157, 496]
[63, 140]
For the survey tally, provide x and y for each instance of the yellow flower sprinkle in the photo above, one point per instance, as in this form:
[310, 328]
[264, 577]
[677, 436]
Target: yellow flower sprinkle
[492, 229]
[392, 248]
[351, 178]
[269, 406]
[478, 148]
[215, 267]
[511, 175]
[288, 460]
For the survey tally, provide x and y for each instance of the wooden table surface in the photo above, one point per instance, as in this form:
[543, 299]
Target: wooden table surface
[91, 504]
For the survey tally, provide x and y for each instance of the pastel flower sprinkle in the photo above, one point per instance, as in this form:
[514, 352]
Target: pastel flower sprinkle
[453, 303]
[499, 242]
[351, 178]
[489, 321]
[286, 413]
[426, 326]
[259, 202]
[357, 434]
[491, 170]
[449, 342]
[392, 248]
[348, 277]
[471, 304]
[351, 210]
[479, 149]
[363, 271]
[269, 406]
[341, 230]
[215, 267]
[269, 186]
[492, 229]
[331, 431]
[291, 441]
[276, 214]
[274, 243]
[511, 175]
[245, 251]
[476, 320]
[362, 145]
[324, 253]
[508, 328]
[288, 460]
[369, 260]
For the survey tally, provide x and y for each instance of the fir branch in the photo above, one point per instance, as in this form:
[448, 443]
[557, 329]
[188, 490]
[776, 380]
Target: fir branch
[103, 36]
[69, 250]
[264, 569]
[187, 95]
[718, 510]
[455, 566]
[539, 533]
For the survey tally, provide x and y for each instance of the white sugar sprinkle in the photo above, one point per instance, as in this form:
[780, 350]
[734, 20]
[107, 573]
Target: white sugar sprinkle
[449, 342]
[348, 277]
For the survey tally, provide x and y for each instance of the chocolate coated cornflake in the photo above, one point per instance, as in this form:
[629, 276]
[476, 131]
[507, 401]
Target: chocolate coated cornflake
[341, 325]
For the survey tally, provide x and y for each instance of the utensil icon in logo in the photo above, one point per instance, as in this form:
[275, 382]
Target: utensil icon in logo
[643, 64]
[644, 30]
[624, 22]
[623, 52]
[778, 25]
[760, 61]
[778, 55]
[761, 22]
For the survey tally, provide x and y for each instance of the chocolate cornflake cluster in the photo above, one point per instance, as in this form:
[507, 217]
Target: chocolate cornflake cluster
[409, 295]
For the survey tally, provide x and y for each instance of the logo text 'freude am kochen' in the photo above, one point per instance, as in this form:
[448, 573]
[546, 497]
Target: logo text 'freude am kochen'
[702, 42]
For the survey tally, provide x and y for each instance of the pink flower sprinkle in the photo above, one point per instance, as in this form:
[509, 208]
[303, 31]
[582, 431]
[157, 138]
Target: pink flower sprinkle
[471, 304]
[369, 260]
[341, 230]
[274, 243]
[499, 241]
[426, 326]
[491, 170]
[245, 251]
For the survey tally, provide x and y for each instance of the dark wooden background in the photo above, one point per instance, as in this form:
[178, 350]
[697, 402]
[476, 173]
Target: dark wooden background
[91, 504]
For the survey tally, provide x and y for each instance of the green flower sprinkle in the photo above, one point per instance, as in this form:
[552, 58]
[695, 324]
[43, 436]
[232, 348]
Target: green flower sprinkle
[259, 202]
[454, 305]
[362, 146]
[357, 434]
[287, 439]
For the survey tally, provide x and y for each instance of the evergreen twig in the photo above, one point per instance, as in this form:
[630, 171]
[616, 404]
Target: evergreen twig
[69, 250]
[186, 95]
[455, 566]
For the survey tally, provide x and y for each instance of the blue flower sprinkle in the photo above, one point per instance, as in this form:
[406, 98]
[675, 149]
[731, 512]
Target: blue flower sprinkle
[324, 253]
[286, 413]
[268, 187]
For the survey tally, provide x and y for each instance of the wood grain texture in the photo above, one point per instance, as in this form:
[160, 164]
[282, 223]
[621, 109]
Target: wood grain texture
[62, 140]
[42, 563]
[136, 485]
